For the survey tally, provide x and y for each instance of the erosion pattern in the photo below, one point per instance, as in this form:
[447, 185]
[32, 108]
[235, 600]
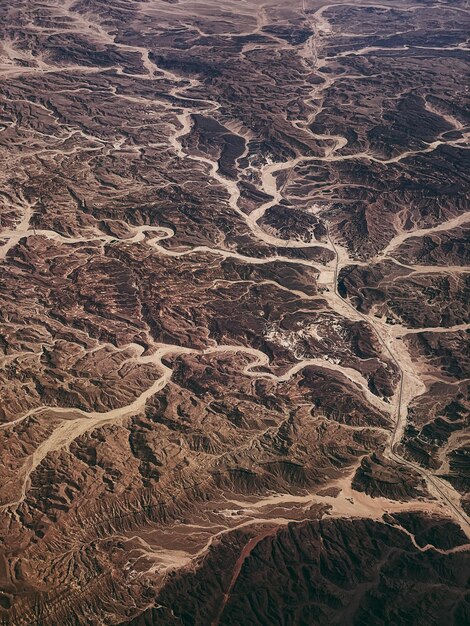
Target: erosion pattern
[234, 317]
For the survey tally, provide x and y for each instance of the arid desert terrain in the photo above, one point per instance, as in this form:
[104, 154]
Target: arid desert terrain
[234, 320]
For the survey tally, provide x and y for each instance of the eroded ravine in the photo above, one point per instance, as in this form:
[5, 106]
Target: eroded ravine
[410, 385]
[272, 511]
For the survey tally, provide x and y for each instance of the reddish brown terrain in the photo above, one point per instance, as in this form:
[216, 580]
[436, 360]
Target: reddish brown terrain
[234, 313]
